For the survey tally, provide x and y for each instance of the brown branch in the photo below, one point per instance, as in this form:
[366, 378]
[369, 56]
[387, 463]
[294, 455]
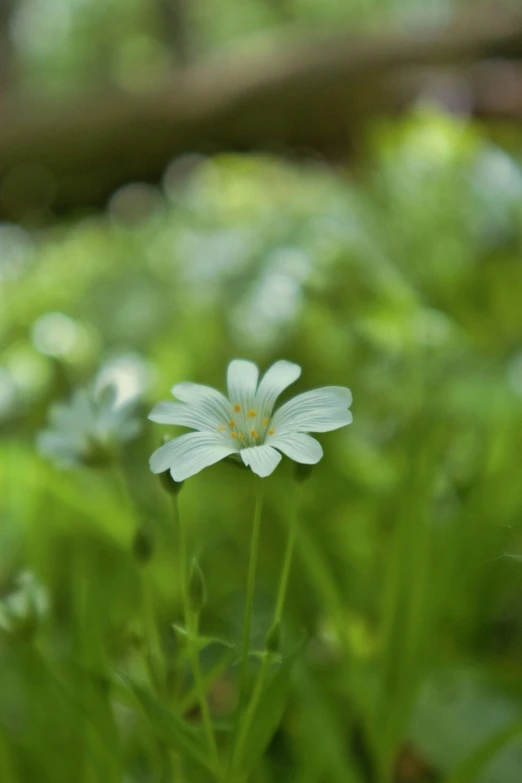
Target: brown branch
[69, 156]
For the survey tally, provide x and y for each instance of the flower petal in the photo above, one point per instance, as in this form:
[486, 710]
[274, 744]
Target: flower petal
[298, 446]
[320, 410]
[202, 415]
[65, 419]
[53, 445]
[262, 459]
[187, 455]
[76, 416]
[242, 382]
[202, 395]
[275, 380]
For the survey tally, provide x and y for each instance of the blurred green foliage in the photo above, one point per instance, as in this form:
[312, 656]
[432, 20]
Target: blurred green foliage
[64, 44]
[401, 280]
[405, 286]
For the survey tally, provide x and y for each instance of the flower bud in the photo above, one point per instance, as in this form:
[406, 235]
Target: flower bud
[182, 637]
[273, 638]
[197, 589]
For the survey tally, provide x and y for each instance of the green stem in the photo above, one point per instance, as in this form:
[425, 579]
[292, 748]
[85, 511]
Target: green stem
[182, 557]
[191, 626]
[251, 710]
[176, 540]
[122, 489]
[200, 689]
[289, 553]
[251, 580]
[278, 613]
[153, 649]
[190, 699]
[247, 626]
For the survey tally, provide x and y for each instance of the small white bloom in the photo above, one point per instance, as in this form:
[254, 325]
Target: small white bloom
[87, 429]
[25, 606]
[244, 424]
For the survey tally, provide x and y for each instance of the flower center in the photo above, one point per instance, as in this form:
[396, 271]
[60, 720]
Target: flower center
[247, 428]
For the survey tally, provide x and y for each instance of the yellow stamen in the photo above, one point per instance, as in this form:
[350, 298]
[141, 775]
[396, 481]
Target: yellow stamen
[233, 434]
[253, 433]
[222, 427]
[237, 407]
[271, 431]
[265, 422]
[240, 436]
[232, 423]
[251, 414]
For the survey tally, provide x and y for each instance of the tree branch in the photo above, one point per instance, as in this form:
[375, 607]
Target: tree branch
[62, 157]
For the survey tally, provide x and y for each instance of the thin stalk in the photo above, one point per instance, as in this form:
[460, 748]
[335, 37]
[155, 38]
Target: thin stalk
[153, 650]
[247, 625]
[200, 690]
[251, 711]
[191, 698]
[251, 580]
[177, 540]
[182, 557]
[278, 613]
[122, 489]
[289, 553]
[191, 626]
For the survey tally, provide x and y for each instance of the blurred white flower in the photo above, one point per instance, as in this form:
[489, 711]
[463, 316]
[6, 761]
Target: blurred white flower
[245, 425]
[55, 334]
[129, 373]
[23, 608]
[16, 251]
[89, 428]
[275, 298]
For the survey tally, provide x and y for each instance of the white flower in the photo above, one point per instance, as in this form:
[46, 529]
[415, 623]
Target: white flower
[88, 428]
[28, 603]
[245, 424]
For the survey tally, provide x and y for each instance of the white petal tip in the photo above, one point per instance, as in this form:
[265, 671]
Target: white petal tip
[262, 460]
[154, 466]
[345, 396]
[310, 460]
[291, 367]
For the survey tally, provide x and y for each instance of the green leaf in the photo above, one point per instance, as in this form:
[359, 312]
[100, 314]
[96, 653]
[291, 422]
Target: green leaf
[190, 700]
[201, 642]
[268, 714]
[260, 655]
[463, 724]
[332, 757]
[170, 727]
[470, 769]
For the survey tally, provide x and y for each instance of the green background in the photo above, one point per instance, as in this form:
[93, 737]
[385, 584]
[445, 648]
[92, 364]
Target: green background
[402, 281]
